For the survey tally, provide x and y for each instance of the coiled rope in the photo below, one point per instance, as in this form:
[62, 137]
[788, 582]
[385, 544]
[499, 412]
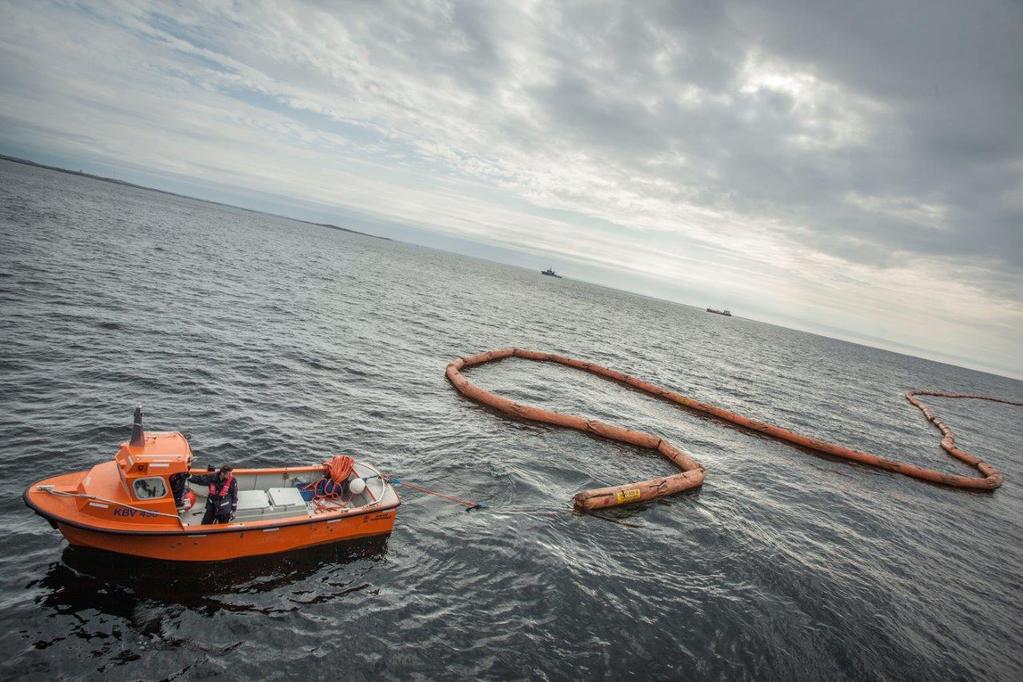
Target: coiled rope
[692, 471]
[339, 468]
[327, 490]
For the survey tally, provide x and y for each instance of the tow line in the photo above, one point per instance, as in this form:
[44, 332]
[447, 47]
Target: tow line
[468, 504]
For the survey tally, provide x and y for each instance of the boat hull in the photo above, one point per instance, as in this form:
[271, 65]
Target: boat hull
[155, 537]
[214, 544]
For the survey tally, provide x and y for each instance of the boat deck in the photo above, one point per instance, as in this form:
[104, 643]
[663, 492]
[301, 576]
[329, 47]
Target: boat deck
[264, 497]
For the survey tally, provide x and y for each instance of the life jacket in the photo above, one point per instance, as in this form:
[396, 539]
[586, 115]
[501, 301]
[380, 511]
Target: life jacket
[225, 488]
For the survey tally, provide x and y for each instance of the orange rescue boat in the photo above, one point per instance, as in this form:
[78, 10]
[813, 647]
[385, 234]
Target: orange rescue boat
[127, 505]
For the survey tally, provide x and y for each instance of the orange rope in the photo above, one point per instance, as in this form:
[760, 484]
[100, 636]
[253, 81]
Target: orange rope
[692, 471]
[469, 504]
[340, 467]
[336, 470]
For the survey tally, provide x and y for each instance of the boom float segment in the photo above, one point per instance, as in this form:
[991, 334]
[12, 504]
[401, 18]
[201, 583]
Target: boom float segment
[692, 471]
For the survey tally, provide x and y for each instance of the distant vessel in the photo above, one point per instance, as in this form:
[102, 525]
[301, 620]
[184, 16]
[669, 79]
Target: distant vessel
[550, 273]
[726, 313]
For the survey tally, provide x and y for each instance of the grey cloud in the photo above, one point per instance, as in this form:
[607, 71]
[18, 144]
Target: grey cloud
[910, 149]
[946, 82]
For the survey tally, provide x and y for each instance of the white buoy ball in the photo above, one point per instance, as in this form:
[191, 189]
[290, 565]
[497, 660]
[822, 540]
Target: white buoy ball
[357, 486]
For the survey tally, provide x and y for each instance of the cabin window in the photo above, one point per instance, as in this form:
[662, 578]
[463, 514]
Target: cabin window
[148, 488]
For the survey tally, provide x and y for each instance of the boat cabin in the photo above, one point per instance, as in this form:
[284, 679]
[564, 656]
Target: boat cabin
[146, 469]
[138, 483]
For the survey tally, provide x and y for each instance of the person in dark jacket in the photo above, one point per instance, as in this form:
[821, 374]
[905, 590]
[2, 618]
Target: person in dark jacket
[178, 482]
[222, 500]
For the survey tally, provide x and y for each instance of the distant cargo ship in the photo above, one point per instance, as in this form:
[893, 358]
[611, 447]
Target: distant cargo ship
[726, 313]
[550, 273]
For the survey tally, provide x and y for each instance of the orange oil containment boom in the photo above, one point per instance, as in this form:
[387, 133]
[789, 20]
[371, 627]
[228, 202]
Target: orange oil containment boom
[692, 471]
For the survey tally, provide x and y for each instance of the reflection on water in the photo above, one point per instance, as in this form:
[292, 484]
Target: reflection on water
[86, 579]
[273, 341]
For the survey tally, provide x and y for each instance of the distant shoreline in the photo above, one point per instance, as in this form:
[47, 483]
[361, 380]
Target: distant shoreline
[115, 181]
[837, 335]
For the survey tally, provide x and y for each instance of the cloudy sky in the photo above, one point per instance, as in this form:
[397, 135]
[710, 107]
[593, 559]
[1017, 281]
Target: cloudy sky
[850, 168]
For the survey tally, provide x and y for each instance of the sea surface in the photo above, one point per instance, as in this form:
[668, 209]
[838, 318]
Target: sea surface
[277, 342]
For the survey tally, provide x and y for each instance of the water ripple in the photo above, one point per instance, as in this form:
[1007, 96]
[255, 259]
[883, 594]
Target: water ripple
[278, 342]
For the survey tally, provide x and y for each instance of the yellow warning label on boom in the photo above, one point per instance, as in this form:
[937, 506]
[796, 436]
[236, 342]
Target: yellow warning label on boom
[623, 496]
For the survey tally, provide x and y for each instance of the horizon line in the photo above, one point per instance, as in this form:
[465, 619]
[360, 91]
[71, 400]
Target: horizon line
[861, 342]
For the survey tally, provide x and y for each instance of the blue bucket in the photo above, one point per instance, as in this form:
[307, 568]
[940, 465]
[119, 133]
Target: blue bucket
[306, 490]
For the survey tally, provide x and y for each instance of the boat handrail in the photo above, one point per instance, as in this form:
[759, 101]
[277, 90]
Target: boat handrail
[63, 493]
[380, 477]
